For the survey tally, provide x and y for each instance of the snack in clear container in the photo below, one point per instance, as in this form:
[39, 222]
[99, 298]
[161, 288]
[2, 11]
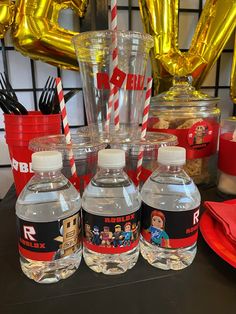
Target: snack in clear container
[194, 118]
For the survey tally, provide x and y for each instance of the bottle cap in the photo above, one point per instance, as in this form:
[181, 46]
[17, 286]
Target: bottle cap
[46, 161]
[111, 158]
[172, 155]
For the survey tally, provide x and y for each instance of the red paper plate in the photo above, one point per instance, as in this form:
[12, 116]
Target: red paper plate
[214, 235]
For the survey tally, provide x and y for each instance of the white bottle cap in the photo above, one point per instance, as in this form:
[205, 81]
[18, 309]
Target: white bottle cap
[111, 158]
[172, 155]
[46, 161]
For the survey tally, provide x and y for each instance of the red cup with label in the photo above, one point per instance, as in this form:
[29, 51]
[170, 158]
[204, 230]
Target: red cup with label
[227, 156]
[113, 66]
[194, 118]
[19, 130]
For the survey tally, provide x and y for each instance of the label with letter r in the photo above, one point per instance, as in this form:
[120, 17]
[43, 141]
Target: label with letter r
[48, 241]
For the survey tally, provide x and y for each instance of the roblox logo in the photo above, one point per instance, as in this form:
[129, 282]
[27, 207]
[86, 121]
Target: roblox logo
[20, 166]
[119, 78]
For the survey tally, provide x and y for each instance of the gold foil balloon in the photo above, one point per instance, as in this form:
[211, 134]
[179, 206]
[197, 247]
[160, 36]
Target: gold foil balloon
[233, 75]
[6, 16]
[216, 24]
[37, 34]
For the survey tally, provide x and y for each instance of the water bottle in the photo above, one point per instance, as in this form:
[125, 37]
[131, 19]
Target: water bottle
[170, 213]
[48, 214]
[111, 216]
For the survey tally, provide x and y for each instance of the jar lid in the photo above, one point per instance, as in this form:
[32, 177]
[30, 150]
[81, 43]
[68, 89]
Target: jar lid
[152, 141]
[81, 145]
[183, 93]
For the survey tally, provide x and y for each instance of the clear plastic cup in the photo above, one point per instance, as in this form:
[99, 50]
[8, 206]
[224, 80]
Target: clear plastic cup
[101, 76]
[150, 146]
[84, 150]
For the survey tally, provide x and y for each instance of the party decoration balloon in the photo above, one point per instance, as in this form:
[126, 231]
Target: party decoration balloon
[6, 16]
[37, 34]
[215, 26]
[233, 75]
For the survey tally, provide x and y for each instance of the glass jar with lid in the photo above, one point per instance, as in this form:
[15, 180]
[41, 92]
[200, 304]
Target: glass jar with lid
[194, 118]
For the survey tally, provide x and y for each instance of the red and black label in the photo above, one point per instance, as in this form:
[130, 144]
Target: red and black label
[48, 241]
[169, 229]
[111, 235]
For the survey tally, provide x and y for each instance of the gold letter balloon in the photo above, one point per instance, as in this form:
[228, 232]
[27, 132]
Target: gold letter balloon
[233, 75]
[37, 34]
[215, 26]
[6, 16]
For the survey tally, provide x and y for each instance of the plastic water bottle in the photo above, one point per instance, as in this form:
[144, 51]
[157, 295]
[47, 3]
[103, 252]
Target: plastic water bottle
[170, 213]
[111, 216]
[48, 214]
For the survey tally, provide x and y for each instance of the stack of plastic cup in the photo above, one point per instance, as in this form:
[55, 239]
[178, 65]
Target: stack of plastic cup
[19, 130]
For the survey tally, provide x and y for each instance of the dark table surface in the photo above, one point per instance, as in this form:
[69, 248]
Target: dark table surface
[207, 286]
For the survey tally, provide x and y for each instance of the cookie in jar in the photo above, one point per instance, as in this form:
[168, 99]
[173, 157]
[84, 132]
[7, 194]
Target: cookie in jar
[194, 118]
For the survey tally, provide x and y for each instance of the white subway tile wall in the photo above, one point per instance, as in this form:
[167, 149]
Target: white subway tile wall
[20, 73]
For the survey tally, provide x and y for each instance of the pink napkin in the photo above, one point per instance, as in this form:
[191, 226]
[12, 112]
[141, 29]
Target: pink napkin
[224, 213]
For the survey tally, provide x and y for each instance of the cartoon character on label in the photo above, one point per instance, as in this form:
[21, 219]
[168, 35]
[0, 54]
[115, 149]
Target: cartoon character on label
[117, 236]
[158, 235]
[70, 232]
[200, 132]
[88, 232]
[135, 230]
[128, 234]
[96, 236]
[106, 236]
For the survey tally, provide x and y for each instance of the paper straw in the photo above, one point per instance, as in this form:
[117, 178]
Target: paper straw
[113, 15]
[114, 92]
[144, 125]
[74, 178]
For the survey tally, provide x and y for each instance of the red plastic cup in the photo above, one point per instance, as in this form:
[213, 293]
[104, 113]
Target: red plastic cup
[19, 130]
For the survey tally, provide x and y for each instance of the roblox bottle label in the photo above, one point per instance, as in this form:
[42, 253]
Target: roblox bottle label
[111, 235]
[48, 241]
[169, 229]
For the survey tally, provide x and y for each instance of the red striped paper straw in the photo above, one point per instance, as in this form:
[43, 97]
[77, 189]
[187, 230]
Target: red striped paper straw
[144, 125]
[113, 15]
[114, 93]
[74, 178]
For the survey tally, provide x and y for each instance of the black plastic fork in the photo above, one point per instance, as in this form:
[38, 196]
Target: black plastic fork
[6, 86]
[13, 105]
[47, 96]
